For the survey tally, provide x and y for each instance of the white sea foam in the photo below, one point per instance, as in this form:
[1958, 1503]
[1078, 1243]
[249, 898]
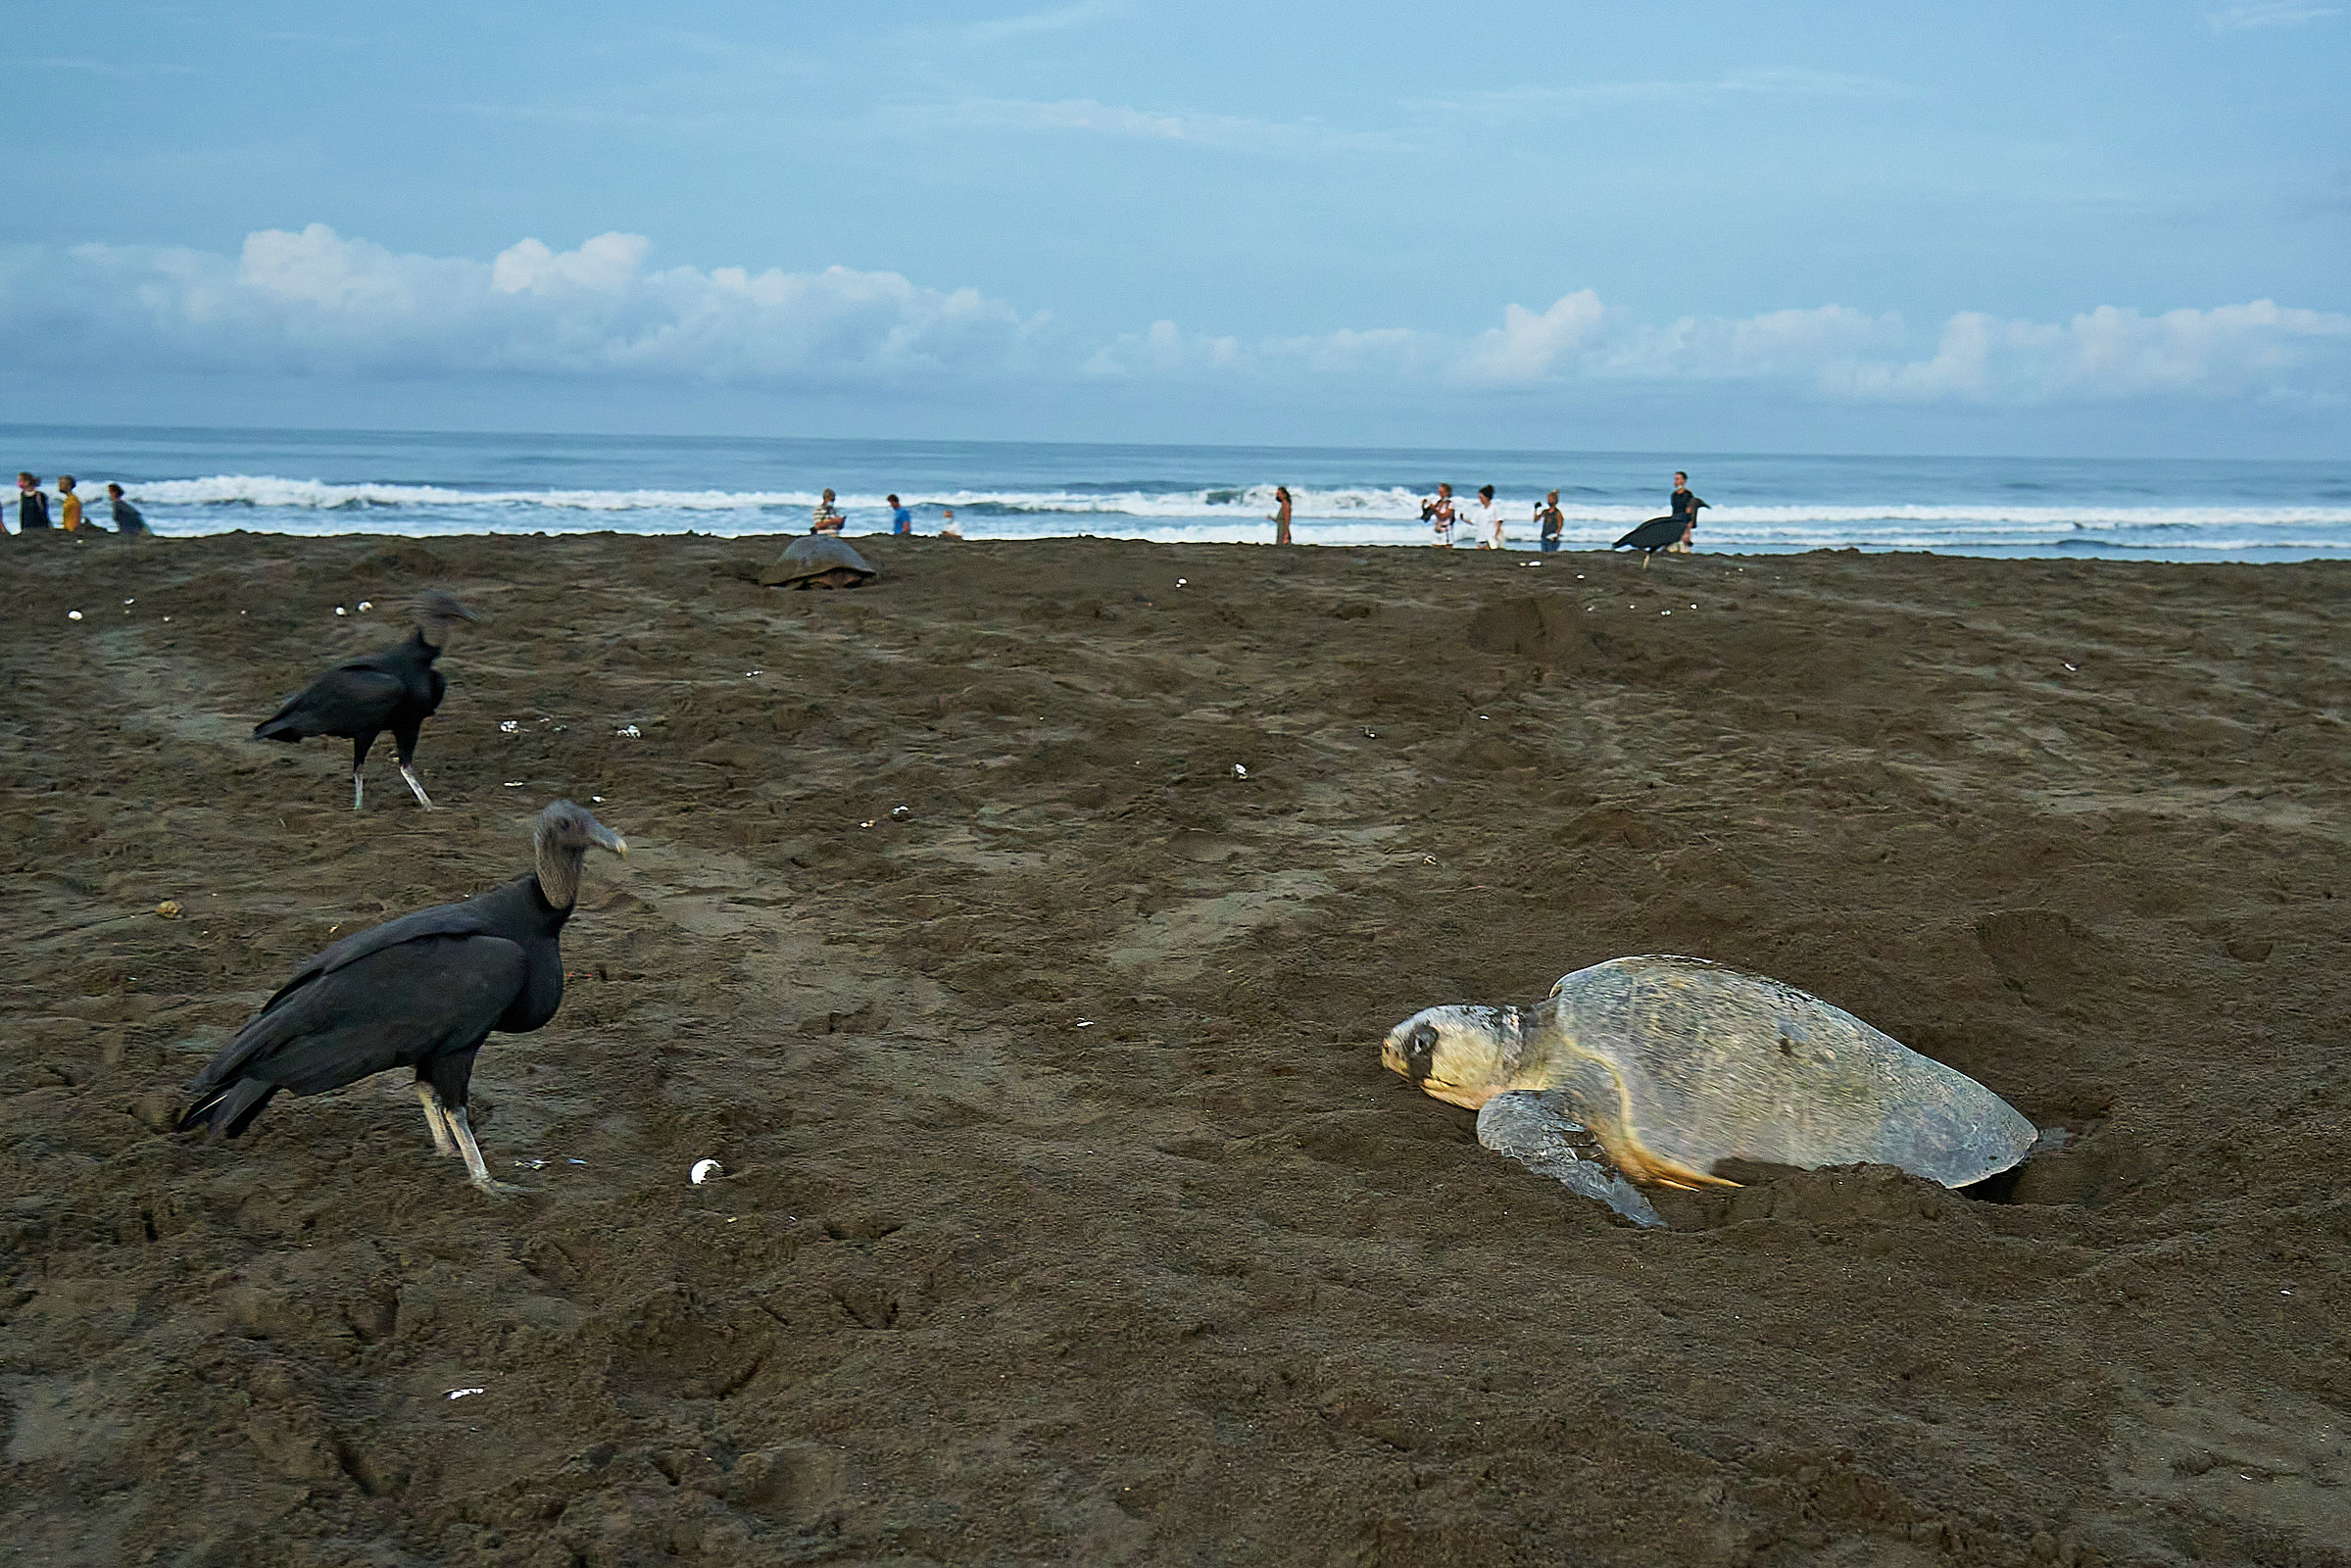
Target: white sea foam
[1341, 516]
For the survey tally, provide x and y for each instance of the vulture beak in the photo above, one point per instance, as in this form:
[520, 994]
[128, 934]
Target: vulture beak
[605, 838]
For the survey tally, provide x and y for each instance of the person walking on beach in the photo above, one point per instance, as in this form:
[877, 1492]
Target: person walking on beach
[1685, 511]
[1279, 515]
[68, 504]
[901, 520]
[1438, 513]
[32, 503]
[126, 515]
[1548, 518]
[1486, 519]
[827, 518]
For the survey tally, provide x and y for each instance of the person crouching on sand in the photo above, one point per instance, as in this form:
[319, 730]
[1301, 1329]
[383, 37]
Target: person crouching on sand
[1279, 515]
[827, 518]
[947, 526]
[126, 515]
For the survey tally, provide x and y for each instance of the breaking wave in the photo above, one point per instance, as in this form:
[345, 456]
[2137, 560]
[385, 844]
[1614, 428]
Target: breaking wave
[1372, 515]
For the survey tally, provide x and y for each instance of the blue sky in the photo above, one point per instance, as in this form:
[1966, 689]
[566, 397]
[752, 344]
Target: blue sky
[2087, 229]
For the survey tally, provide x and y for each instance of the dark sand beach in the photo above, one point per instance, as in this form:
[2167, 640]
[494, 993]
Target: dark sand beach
[1068, 1214]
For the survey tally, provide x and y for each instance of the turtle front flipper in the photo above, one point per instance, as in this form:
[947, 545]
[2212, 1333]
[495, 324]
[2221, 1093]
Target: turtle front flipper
[1539, 1130]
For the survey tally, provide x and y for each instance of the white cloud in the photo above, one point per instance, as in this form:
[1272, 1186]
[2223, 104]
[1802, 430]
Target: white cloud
[114, 68]
[1061, 18]
[1766, 82]
[1162, 349]
[318, 302]
[1578, 337]
[1832, 351]
[2268, 14]
[1527, 347]
[1229, 132]
[313, 300]
[2230, 351]
[1798, 81]
[605, 264]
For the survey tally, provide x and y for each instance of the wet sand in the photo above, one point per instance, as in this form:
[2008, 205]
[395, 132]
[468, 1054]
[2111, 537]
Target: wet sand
[1068, 1214]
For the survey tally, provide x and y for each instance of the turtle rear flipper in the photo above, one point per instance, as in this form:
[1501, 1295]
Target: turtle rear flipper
[1539, 1130]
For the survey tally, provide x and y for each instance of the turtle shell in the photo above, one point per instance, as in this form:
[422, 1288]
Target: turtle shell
[1676, 1063]
[818, 560]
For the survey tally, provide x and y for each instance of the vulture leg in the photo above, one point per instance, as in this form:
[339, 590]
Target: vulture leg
[464, 1132]
[442, 1143]
[358, 757]
[1645, 557]
[404, 740]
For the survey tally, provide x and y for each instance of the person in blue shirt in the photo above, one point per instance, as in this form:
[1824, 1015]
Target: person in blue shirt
[126, 515]
[901, 520]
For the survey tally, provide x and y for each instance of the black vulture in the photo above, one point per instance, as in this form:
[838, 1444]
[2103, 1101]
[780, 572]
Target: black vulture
[1652, 536]
[423, 991]
[395, 688]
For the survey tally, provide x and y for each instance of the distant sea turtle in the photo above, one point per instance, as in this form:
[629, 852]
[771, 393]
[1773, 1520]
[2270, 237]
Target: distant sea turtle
[1675, 1065]
[819, 560]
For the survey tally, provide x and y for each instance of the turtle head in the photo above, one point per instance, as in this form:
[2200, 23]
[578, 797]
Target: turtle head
[1464, 1055]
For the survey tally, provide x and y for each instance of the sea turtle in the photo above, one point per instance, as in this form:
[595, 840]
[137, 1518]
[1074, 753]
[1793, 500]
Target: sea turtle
[819, 560]
[1676, 1063]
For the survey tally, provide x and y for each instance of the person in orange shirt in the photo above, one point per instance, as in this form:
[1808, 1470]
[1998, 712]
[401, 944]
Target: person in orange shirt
[68, 504]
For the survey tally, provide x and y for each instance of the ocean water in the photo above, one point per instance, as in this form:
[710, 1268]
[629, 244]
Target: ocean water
[197, 481]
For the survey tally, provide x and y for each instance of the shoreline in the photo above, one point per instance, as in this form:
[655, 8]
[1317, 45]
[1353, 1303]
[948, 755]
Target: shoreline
[445, 484]
[1068, 1213]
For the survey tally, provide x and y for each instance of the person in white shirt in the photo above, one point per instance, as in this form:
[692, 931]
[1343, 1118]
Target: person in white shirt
[1486, 519]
